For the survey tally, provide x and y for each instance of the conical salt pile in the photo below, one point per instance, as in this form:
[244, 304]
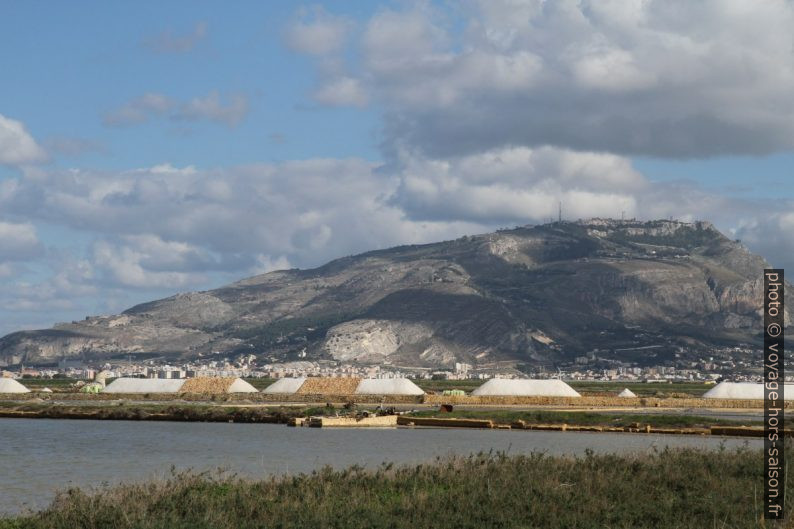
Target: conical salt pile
[525, 387]
[9, 385]
[626, 393]
[744, 390]
[285, 385]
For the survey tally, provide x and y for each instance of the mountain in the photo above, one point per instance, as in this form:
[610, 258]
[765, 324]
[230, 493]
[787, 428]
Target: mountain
[542, 294]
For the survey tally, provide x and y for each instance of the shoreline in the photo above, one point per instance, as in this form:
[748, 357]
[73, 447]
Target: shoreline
[541, 419]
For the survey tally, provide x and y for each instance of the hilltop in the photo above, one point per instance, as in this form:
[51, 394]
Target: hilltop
[534, 294]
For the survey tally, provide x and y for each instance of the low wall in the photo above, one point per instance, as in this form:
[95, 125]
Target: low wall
[440, 422]
[384, 421]
[227, 397]
[600, 402]
[474, 400]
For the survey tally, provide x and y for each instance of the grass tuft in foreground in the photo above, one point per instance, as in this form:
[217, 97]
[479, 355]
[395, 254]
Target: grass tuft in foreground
[681, 489]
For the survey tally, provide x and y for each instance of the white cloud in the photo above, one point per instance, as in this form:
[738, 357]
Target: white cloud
[342, 91]
[265, 264]
[126, 266]
[517, 185]
[168, 42]
[153, 105]
[18, 242]
[772, 234]
[69, 146]
[6, 270]
[317, 33]
[213, 109]
[655, 77]
[17, 146]
[139, 110]
[173, 226]
[69, 285]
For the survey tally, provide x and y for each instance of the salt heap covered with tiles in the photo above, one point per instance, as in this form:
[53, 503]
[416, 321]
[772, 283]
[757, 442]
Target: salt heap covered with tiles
[744, 391]
[525, 388]
[9, 385]
[388, 386]
[627, 394]
[183, 385]
[144, 385]
[344, 386]
[285, 385]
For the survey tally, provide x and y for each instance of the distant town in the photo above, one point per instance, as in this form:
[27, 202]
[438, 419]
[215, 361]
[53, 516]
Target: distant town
[733, 363]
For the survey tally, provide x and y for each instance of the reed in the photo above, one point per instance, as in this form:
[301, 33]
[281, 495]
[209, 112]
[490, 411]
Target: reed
[664, 489]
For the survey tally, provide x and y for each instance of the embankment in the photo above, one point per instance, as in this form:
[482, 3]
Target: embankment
[468, 400]
[152, 412]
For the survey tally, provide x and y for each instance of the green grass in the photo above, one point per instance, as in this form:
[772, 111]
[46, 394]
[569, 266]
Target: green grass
[669, 489]
[440, 385]
[173, 412]
[642, 389]
[260, 383]
[585, 387]
[587, 418]
[52, 383]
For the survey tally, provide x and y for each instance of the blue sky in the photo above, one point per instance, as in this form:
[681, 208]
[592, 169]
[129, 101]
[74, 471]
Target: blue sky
[149, 148]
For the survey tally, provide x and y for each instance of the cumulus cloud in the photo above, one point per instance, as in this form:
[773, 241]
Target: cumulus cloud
[213, 109]
[18, 242]
[167, 225]
[139, 110]
[190, 221]
[126, 265]
[517, 185]
[28, 304]
[17, 146]
[342, 91]
[168, 42]
[655, 77]
[266, 263]
[772, 235]
[317, 32]
[69, 146]
[153, 105]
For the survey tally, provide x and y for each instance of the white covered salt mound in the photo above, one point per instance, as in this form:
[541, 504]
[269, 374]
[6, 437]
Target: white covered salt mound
[9, 385]
[388, 386]
[526, 388]
[744, 390]
[46, 390]
[285, 385]
[144, 385]
[627, 393]
[241, 386]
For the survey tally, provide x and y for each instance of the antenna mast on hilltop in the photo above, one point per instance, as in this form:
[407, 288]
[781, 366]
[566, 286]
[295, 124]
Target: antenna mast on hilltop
[559, 211]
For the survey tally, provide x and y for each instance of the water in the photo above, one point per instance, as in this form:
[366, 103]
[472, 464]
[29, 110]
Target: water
[40, 456]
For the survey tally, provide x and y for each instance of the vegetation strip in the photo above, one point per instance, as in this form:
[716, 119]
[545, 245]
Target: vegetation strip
[666, 489]
[527, 419]
[577, 418]
[160, 412]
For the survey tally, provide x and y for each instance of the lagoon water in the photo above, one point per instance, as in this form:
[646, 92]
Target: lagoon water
[40, 456]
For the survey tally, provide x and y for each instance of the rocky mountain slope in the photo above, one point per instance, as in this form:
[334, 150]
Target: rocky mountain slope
[535, 294]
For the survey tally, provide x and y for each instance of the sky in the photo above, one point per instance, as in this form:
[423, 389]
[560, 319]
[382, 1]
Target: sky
[149, 148]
